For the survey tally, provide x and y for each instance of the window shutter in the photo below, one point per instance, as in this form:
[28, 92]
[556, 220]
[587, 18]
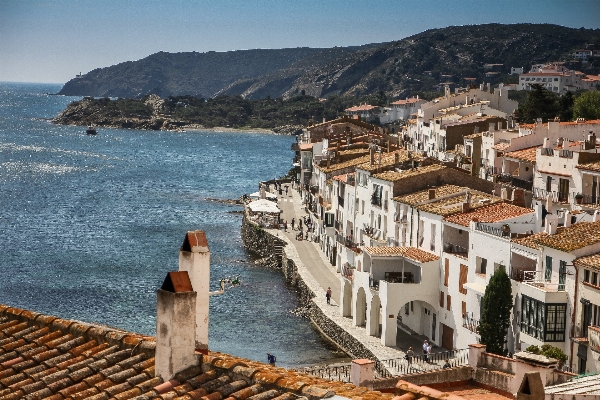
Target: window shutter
[442, 299]
[446, 272]
[449, 303]
[463, 278]
[464, 309]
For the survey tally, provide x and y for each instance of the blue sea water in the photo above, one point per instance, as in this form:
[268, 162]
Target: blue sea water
[90, 225]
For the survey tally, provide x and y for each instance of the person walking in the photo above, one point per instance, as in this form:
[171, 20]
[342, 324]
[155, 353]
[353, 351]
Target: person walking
[410, 353]
[425, 350]
[299, 223]
[328, 295]
[286, 190]
[293, 221]
[284, 225]
[271, 358]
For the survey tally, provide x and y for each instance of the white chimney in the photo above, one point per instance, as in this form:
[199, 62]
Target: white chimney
[546, 143]
[175, 325]
[194, 257]
[567, 219]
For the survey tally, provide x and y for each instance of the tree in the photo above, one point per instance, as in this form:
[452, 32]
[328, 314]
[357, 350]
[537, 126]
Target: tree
[565, 103]
[495, 316]
[540, 103]
[587, 105]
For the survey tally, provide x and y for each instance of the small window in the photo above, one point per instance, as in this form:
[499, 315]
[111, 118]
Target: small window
[449, 303]
[586, 275]
[411, 307]
[442, 295]
[594, 278]
[464, 309]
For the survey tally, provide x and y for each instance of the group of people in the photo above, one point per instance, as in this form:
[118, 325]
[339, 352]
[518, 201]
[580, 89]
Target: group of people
[279, 187]
[410, 353]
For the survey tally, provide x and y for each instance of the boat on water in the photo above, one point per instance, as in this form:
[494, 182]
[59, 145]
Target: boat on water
[91, 130]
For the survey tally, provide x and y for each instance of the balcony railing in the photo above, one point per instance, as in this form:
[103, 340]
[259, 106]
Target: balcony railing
[566, 154]
[470, 323]
[492, 230]
[543, 194]
[348, 271]
[589, 199]
[546, 151]
[518, 274]
[537, 279]
[420, 363]
[455, 249]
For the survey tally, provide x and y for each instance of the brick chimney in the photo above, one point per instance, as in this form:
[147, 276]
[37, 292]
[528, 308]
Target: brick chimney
[194, 257]
[175, 326]
[432, 194]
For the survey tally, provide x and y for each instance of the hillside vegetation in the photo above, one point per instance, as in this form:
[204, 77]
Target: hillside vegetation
[415, 64]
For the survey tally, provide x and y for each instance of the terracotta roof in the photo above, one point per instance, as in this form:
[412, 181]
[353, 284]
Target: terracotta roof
[449, 199]
[530, 241]
[554, 173]
[472, 136]
[408, 252]
[364, 107]
[407, 101]
[306, 146]
[48, 357]
[492, 213]
[579, 235]
[343, 177]
[591, 261]
[527, 154]
[501, 146]
[393, 176]
[346, 164]
[591, 166]
[387, 159]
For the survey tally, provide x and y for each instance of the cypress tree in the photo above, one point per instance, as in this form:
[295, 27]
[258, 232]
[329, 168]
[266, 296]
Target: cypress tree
[495, 315]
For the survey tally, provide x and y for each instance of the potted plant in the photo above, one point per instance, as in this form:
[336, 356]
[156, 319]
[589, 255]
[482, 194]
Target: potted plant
[578, 198]
[505, 230]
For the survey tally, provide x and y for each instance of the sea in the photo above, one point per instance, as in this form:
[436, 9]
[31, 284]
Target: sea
[90, 225]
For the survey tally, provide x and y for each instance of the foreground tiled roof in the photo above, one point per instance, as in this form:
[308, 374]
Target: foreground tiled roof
[578, 236]
[423, 195]
[408, 252]
[44, 357]
[527, 154]
[449, 205]
[530, 241]
[492, 213]
[346, 164]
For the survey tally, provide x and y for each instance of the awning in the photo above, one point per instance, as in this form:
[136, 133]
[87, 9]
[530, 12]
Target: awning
[478, 287]
[263, 205]
[526, 254]
[268, 195]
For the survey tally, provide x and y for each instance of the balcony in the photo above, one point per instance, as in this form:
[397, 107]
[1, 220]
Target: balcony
[456, 250]
[348, 271]
[516, 182]
[543, 194]
[546, 151]
[471, 324]
[492, 230]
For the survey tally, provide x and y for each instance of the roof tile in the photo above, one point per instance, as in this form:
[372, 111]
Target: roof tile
[493, 213]
[46, 338]
[85, 394]
[122, 387]
[199, 380]
[8, 356]
[60, 384]
[128, 394]
[79, 349]
[144, 364]
[76, 388]
[33, 387]
[36, 334]
[232, 387]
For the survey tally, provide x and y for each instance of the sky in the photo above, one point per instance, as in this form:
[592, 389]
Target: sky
[53, 40]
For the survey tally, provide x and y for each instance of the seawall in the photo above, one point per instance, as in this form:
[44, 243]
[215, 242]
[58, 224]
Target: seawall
[278, 251]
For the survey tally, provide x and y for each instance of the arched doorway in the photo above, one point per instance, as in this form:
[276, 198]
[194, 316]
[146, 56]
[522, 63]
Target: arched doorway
[360, 311]
[347, 299]
[374, 320]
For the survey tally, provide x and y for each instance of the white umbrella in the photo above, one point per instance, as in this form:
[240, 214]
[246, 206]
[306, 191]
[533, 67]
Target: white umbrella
[268, 195]
[263, 205]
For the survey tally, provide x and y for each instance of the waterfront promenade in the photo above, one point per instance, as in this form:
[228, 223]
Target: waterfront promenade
[319, 274]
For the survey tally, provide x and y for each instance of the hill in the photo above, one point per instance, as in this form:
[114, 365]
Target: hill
[415, 64]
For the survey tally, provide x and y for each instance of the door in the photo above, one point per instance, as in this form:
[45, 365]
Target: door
[594, 189]
[447, 337]
[433, 328]
[563, 189]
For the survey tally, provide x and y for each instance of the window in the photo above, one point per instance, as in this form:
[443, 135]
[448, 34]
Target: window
[363, 208]
[446, 272]
[411, 307]
[463, 278]
[432, 244]
[586, 275]
[406, 309]
[442, 295]
[449, 303]
[481, 266]
[562, 273]
[545, 322]
[548, 271]
[594, 280]
[376, 196]
[563, 189]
